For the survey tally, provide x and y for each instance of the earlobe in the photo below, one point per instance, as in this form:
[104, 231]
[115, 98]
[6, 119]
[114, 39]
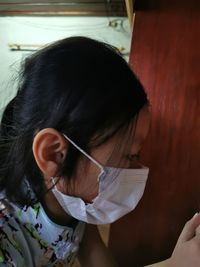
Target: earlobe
[49, 149]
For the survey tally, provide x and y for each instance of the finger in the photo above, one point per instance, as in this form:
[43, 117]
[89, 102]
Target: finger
[197, 239]
[190, 228]
[197, 232]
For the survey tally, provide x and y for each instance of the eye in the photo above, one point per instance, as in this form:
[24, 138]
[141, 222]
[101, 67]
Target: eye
[133, 157]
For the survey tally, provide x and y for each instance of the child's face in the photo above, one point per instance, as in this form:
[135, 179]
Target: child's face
[85, 183]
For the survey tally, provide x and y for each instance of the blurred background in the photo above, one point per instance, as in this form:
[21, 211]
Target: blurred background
[26, 26]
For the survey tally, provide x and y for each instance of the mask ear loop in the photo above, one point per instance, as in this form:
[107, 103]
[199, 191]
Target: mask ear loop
[54, 183]
[87, 155]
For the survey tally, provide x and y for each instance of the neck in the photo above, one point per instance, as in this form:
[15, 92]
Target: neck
[55, 212]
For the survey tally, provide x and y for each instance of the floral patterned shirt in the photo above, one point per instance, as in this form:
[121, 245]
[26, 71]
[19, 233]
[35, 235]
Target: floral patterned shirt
[28, 238]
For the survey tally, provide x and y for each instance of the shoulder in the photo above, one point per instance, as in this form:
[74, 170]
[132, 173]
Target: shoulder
[12, 240]
[28, 231]
[7, 212]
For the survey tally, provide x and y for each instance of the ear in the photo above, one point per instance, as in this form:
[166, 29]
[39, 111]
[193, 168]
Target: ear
[49, 149]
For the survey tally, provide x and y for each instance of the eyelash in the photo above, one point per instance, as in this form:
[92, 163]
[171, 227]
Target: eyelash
[131, 157]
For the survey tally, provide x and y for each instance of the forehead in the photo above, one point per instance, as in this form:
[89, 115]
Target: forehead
[142, 124]
[137, 130]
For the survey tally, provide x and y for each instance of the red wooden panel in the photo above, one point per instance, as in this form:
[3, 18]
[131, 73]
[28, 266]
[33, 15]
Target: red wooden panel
[165, 55]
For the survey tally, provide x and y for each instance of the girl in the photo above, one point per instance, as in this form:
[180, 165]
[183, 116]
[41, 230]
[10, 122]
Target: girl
[70, 142]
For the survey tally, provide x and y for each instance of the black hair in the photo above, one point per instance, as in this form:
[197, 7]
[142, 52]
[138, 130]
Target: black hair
[79, 86]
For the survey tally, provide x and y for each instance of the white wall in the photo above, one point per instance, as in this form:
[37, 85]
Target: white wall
[43, 30]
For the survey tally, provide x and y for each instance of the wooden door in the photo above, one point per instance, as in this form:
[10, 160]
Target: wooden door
[165, 55]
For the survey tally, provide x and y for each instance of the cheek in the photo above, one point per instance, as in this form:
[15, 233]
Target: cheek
[85, 182]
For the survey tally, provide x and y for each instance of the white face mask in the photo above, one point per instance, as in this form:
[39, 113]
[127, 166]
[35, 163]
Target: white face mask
[119, 193]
